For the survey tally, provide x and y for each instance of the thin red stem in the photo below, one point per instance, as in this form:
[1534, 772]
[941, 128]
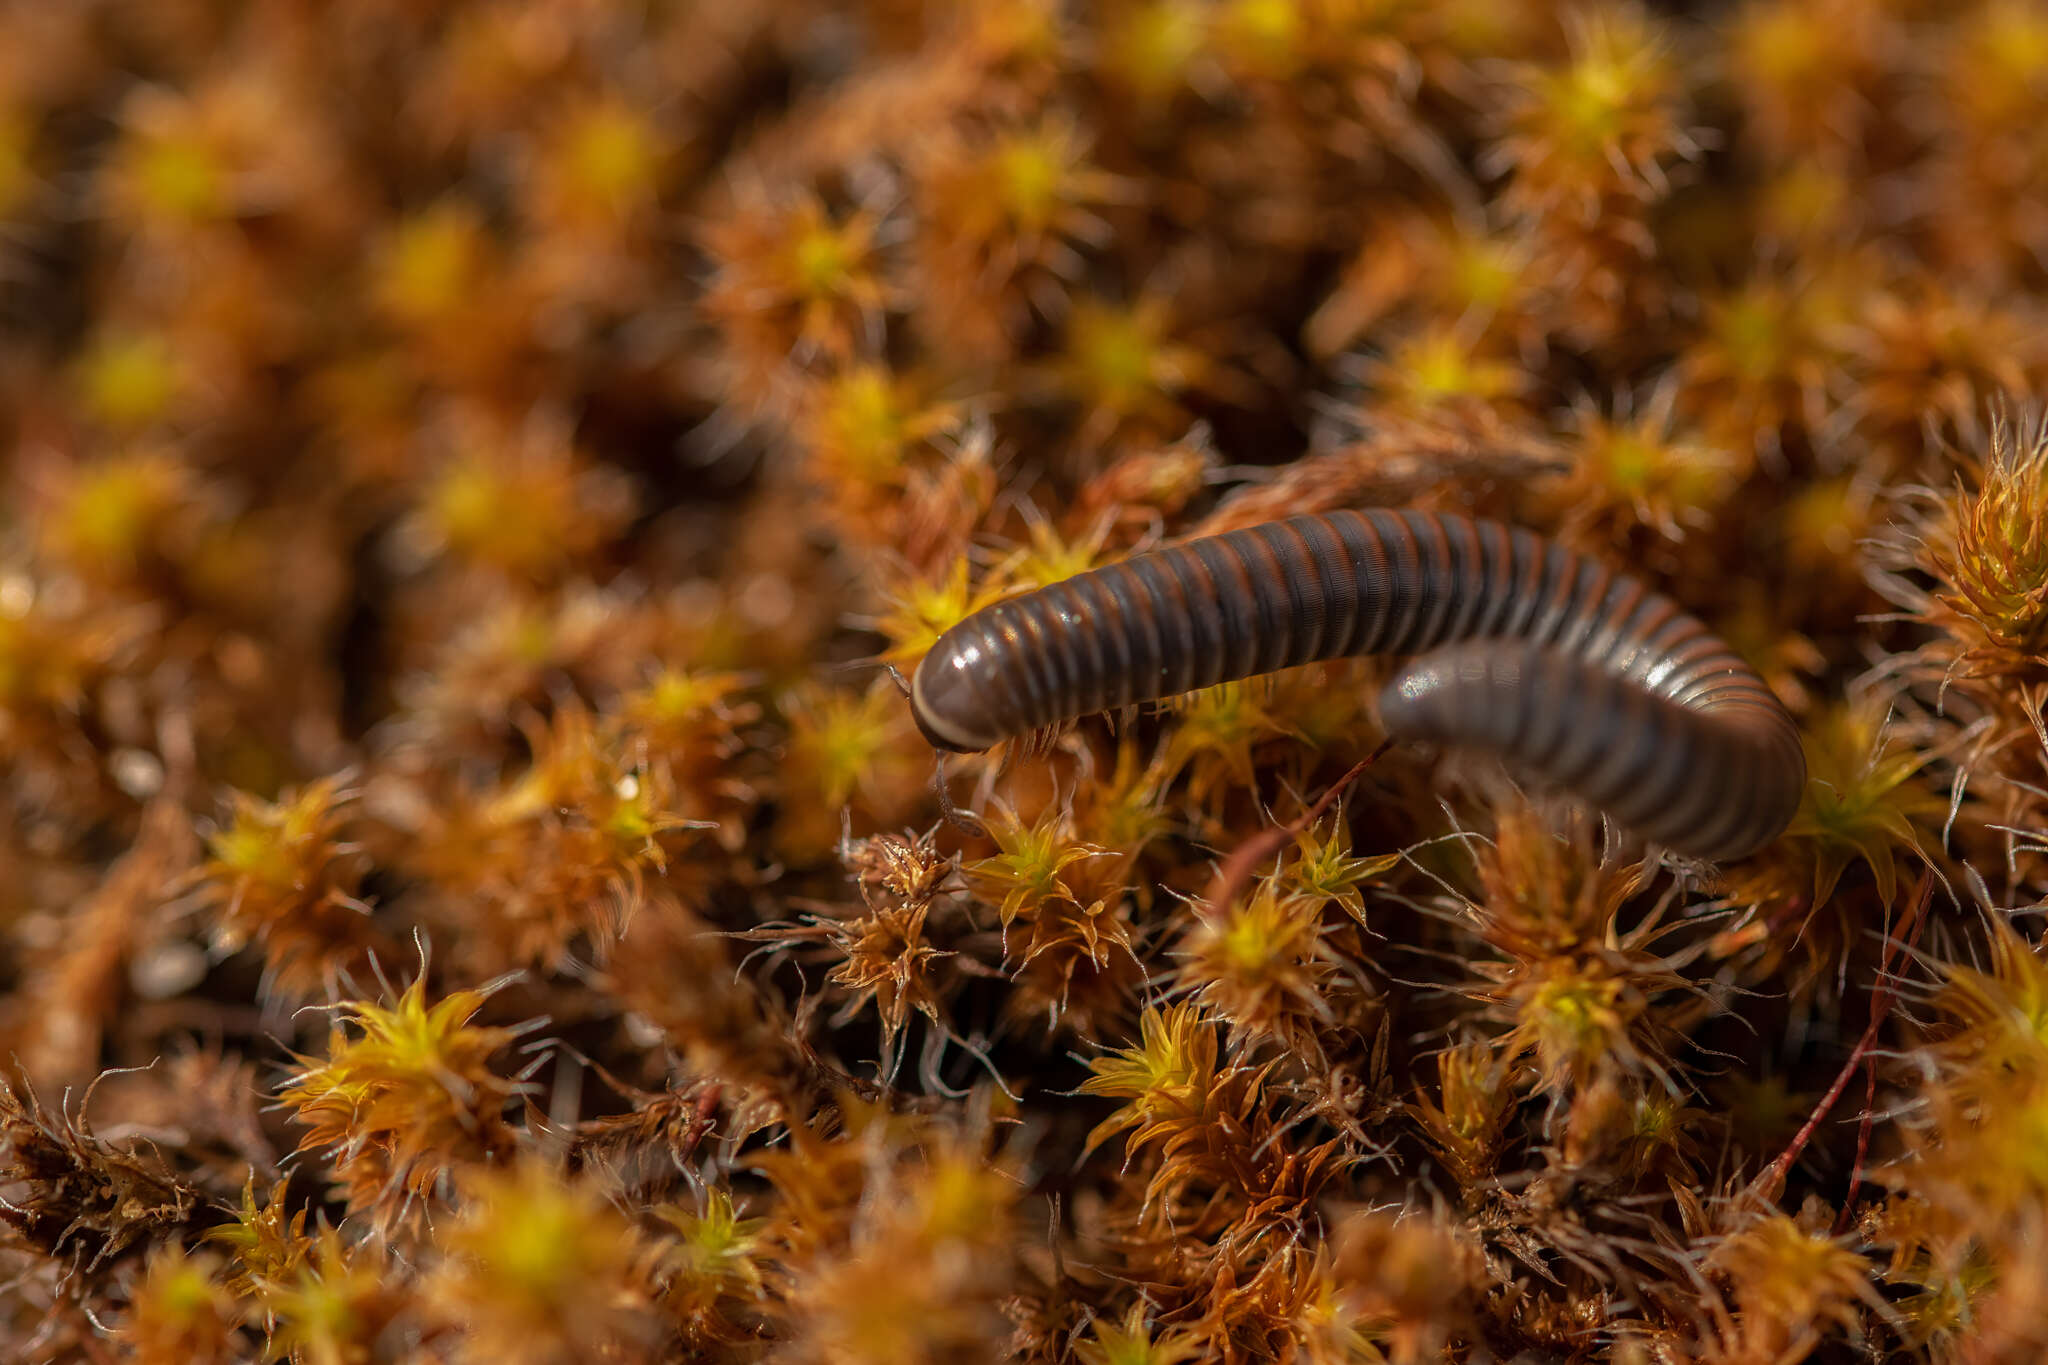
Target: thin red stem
[1881, 996]
[1244, 860]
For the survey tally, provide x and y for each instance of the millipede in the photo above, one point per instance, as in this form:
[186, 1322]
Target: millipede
[1568, 671]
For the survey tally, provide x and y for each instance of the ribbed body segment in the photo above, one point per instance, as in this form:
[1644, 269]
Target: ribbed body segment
[1571, 672]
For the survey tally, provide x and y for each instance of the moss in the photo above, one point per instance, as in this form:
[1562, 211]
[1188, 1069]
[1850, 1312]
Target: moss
[468, 465]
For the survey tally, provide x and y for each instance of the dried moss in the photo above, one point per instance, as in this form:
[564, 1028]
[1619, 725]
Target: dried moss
[470, 891]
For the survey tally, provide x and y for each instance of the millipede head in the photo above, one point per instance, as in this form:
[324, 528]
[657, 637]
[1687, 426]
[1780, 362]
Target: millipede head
[943, 701]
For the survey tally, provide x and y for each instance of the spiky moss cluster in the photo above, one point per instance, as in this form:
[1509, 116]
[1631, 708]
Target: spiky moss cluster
[471, 892]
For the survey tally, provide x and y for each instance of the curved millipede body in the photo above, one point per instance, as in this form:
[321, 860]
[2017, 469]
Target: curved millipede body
[1567, 670]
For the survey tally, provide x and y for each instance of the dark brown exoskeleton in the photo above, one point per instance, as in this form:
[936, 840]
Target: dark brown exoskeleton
[1571, 672]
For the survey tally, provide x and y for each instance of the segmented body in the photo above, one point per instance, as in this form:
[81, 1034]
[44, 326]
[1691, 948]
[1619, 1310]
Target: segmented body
[1571, 672]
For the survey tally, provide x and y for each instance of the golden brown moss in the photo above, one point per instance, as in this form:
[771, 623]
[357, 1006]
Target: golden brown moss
[466, 467]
